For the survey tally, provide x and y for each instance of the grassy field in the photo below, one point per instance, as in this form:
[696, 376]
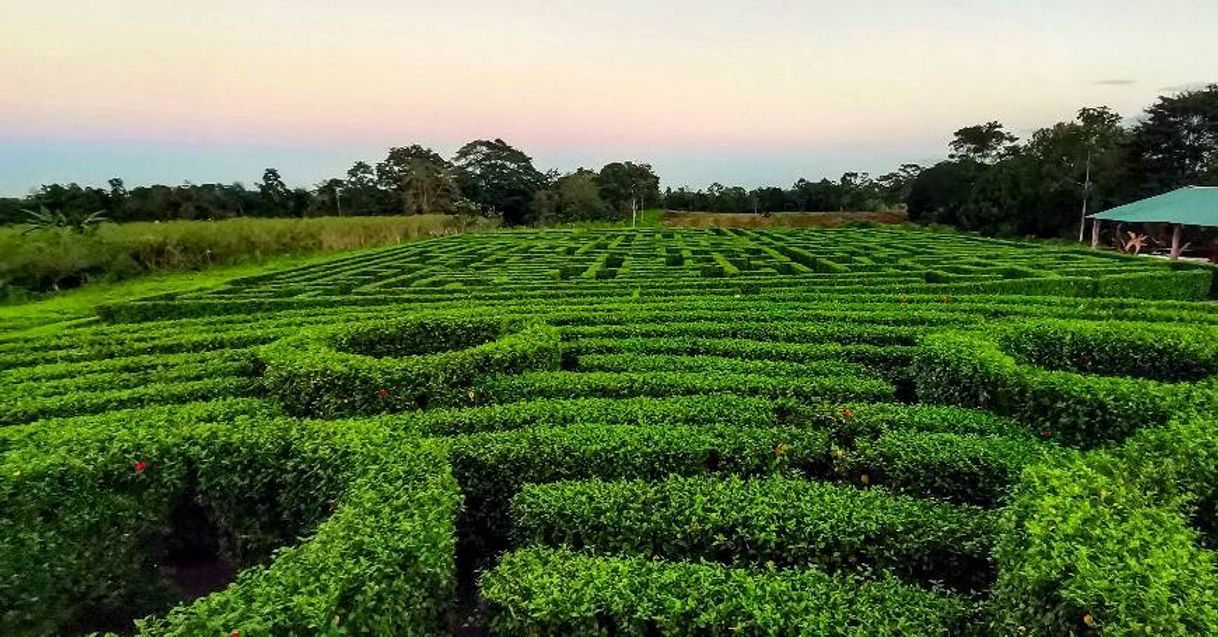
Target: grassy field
[680, 219]
[52, 311]
[656, 431]
[52, 260]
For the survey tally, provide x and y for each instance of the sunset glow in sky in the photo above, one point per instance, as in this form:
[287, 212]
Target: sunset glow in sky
[750, 92]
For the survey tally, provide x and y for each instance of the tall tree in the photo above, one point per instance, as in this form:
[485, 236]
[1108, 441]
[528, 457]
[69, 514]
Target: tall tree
[983, 143]
[420, 180]
[1176, 142]
[579, 196]
[276, 196]
[629, 187]
[895, 186]
[499, 178]
[361, 194]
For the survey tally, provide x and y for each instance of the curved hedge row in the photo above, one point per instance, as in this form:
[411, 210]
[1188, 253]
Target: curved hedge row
[1077, 409]
[84, 525]
[401, 364]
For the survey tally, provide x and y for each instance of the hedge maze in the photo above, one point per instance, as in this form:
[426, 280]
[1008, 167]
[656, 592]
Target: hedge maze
[644, 432]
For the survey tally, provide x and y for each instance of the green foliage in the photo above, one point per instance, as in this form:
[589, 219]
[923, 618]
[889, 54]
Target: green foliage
[962, 468]
[770, 521]
[83, 522]
[1155, 352]
[1086, 551]
[757, 426]
[492, 467]
[1076, 409]
[625, 385]
[44, 219]
[544, 592]
[55, 260]
[400, 364]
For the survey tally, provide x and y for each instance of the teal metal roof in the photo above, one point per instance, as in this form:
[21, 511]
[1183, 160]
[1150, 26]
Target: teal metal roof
[1191, 206]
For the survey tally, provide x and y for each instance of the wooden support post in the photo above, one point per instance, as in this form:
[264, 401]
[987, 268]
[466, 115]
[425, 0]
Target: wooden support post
[1175, 241]
[1095, 233]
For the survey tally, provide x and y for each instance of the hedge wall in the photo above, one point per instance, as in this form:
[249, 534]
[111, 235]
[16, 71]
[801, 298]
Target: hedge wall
[546, 592]
[86, 523]
[1077, 409]
[779, 521]
[400, 364]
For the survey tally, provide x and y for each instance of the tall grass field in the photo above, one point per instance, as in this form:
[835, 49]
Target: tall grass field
[43, 261]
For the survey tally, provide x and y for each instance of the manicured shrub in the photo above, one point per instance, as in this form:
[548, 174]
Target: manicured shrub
[1085, 550]
[962, 468]
[82, 522]
[713, 364]
[400, 364]
[1184, 285]
[625, 385]
[852, 421]
[1079, 410]
[544, 592]
[781, 521]
[24, 410]
[1155, 352]
[708, 410]
[491, 468]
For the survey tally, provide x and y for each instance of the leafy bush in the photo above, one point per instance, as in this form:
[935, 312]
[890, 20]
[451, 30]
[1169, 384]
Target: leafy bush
[1085, 550]
[962, 468]
[1076, 409]
[492, 467]
[82, 522]
[543, 592]
[781, 521]
[1155, 352]
[625, 385]
[394, 365]
[723, 409]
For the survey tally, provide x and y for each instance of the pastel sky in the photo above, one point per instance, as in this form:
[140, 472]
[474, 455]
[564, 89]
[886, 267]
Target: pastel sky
[751, 92]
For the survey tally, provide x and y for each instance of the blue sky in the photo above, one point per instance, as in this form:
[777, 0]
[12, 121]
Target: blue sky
[737, 92]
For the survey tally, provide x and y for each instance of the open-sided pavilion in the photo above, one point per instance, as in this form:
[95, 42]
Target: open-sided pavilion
[1188, 206]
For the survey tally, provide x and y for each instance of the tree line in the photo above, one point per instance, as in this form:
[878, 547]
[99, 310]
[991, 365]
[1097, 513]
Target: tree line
[485, 177]
[996, 184]
[991, 182]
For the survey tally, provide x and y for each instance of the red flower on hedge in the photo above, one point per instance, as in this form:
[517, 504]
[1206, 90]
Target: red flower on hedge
[1046, 434]
[848, 413]
[140, 466]
[382, 392]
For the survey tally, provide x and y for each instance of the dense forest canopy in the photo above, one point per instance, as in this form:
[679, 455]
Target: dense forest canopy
[991, 182]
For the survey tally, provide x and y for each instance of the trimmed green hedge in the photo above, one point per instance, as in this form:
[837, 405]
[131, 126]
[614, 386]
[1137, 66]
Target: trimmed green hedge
[973, 370]
[1086, 550]
[724, 409]
[546, 592]
[781, 521]
[492, 467]
[400, 364]
[1164, 353]
[962, 468]
[85, 522]
[624, 385]
[24, 410]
